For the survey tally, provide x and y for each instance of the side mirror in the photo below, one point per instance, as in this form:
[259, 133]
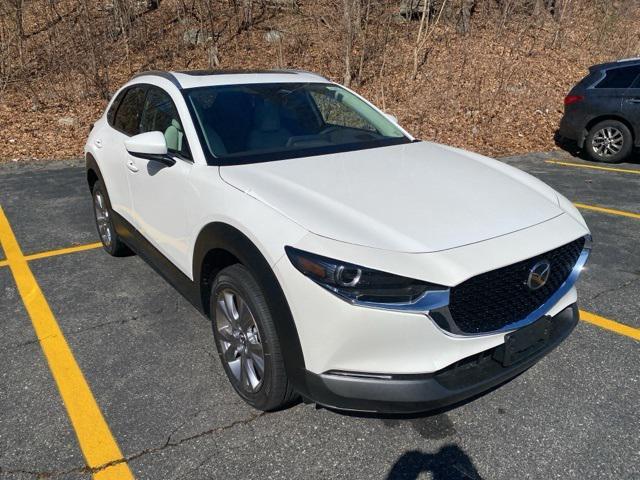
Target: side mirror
[393, 118]
[150, 146]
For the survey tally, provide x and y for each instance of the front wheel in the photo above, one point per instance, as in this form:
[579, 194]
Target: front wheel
[609, 141]
[247, 341]
[104, 222]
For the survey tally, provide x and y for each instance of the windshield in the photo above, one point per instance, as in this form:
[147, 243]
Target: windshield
[270, 121]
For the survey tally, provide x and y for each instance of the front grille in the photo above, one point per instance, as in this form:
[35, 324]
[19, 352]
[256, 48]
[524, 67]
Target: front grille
[494, 299]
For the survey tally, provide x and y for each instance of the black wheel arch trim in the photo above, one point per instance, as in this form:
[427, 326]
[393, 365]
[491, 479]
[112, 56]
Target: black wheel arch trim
[222, 236]
[91, 166]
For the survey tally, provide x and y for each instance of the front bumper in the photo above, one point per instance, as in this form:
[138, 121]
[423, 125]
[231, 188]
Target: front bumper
[337, 335]
[422, 392]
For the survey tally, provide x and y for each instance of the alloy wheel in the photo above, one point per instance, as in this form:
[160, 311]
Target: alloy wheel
[240, 341]
[102, 219]
[607, 142]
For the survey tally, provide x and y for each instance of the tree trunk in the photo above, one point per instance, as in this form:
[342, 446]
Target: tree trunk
[466, 9]
[19, 20]
[348, 43]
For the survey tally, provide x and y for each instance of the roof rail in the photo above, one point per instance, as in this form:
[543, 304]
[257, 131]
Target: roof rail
[160, 73]
[308, 72]
[614, 64]
[630, 59]
[248, 71]
[172, 78]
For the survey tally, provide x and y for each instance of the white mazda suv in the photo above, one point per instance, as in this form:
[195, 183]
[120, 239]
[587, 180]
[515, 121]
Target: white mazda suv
[339, 259]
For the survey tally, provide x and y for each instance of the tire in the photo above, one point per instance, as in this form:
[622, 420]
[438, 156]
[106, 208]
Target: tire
[609, 141]
[246, 337]
[103, 216]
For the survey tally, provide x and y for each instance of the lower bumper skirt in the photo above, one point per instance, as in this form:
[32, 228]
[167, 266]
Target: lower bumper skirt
[423, 392]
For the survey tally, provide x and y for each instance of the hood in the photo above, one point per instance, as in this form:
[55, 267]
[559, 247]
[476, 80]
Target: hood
[418, 197]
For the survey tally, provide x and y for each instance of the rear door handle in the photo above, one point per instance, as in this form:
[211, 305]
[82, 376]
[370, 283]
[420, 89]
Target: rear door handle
[633, 100]
[98, 143]
[131, 165]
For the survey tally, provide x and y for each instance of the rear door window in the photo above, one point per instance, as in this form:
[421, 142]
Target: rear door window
[129, 113]
[621, 77]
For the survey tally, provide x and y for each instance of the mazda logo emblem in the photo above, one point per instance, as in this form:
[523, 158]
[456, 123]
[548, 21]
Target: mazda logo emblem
[538, 275]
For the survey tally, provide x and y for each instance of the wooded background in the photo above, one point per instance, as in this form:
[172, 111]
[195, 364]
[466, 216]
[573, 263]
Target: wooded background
[488, 75]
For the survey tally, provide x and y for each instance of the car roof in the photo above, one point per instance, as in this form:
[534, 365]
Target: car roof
[618, 63]
[205, 78]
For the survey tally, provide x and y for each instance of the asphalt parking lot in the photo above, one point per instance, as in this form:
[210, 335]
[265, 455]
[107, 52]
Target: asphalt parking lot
[155, 403]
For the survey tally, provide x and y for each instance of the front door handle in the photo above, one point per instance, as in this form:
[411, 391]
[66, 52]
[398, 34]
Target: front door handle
[131, 165]
[633, 100]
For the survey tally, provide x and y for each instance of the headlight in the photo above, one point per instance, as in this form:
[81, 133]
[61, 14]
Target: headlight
[366, 286]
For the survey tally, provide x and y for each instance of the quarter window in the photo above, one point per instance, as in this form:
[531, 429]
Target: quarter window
[160, 114]
[621, 77]
[127, 118]
[111, 114]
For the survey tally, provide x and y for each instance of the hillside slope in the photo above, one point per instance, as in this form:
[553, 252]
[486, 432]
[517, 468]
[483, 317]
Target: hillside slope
[496, 88]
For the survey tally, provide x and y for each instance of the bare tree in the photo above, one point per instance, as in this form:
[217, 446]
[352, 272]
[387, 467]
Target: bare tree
[19, 17]
[18, 14]
[6, 52]
[561, 18]
[364, 49]
[465, 10]
[425, 30]
[97, 71]
[350, 14]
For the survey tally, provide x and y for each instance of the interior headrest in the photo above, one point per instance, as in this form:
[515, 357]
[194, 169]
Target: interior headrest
[175, 123]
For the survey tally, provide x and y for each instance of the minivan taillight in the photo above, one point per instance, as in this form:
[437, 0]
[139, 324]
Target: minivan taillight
[571, 99]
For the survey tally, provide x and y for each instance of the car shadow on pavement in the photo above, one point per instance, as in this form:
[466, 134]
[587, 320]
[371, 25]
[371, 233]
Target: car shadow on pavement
[448, 463]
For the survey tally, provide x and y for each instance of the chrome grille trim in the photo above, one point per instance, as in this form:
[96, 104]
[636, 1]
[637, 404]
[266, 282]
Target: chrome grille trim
[532, 316]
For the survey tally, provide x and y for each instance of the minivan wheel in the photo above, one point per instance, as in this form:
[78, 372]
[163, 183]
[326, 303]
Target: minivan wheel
[609, 141]
[103, 215]
[246, 340]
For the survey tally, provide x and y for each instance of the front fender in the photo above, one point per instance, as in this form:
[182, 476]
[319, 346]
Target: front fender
[218, 235]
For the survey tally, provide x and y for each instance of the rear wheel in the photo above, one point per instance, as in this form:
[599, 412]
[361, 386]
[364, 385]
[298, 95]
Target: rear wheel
[246, 340]
[104, 222]
[609, 141]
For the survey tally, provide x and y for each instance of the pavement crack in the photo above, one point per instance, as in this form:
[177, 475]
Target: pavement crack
[616, 288]
[42, 474]
[172, 444]
[35, 341]
[182, 424]
[168, 444]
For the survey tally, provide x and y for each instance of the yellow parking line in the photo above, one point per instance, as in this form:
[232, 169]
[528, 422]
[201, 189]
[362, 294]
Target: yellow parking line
[611, 211]
[94, 436]
[594, 167]
[607, 324]
[63, 251]
[53, 253]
